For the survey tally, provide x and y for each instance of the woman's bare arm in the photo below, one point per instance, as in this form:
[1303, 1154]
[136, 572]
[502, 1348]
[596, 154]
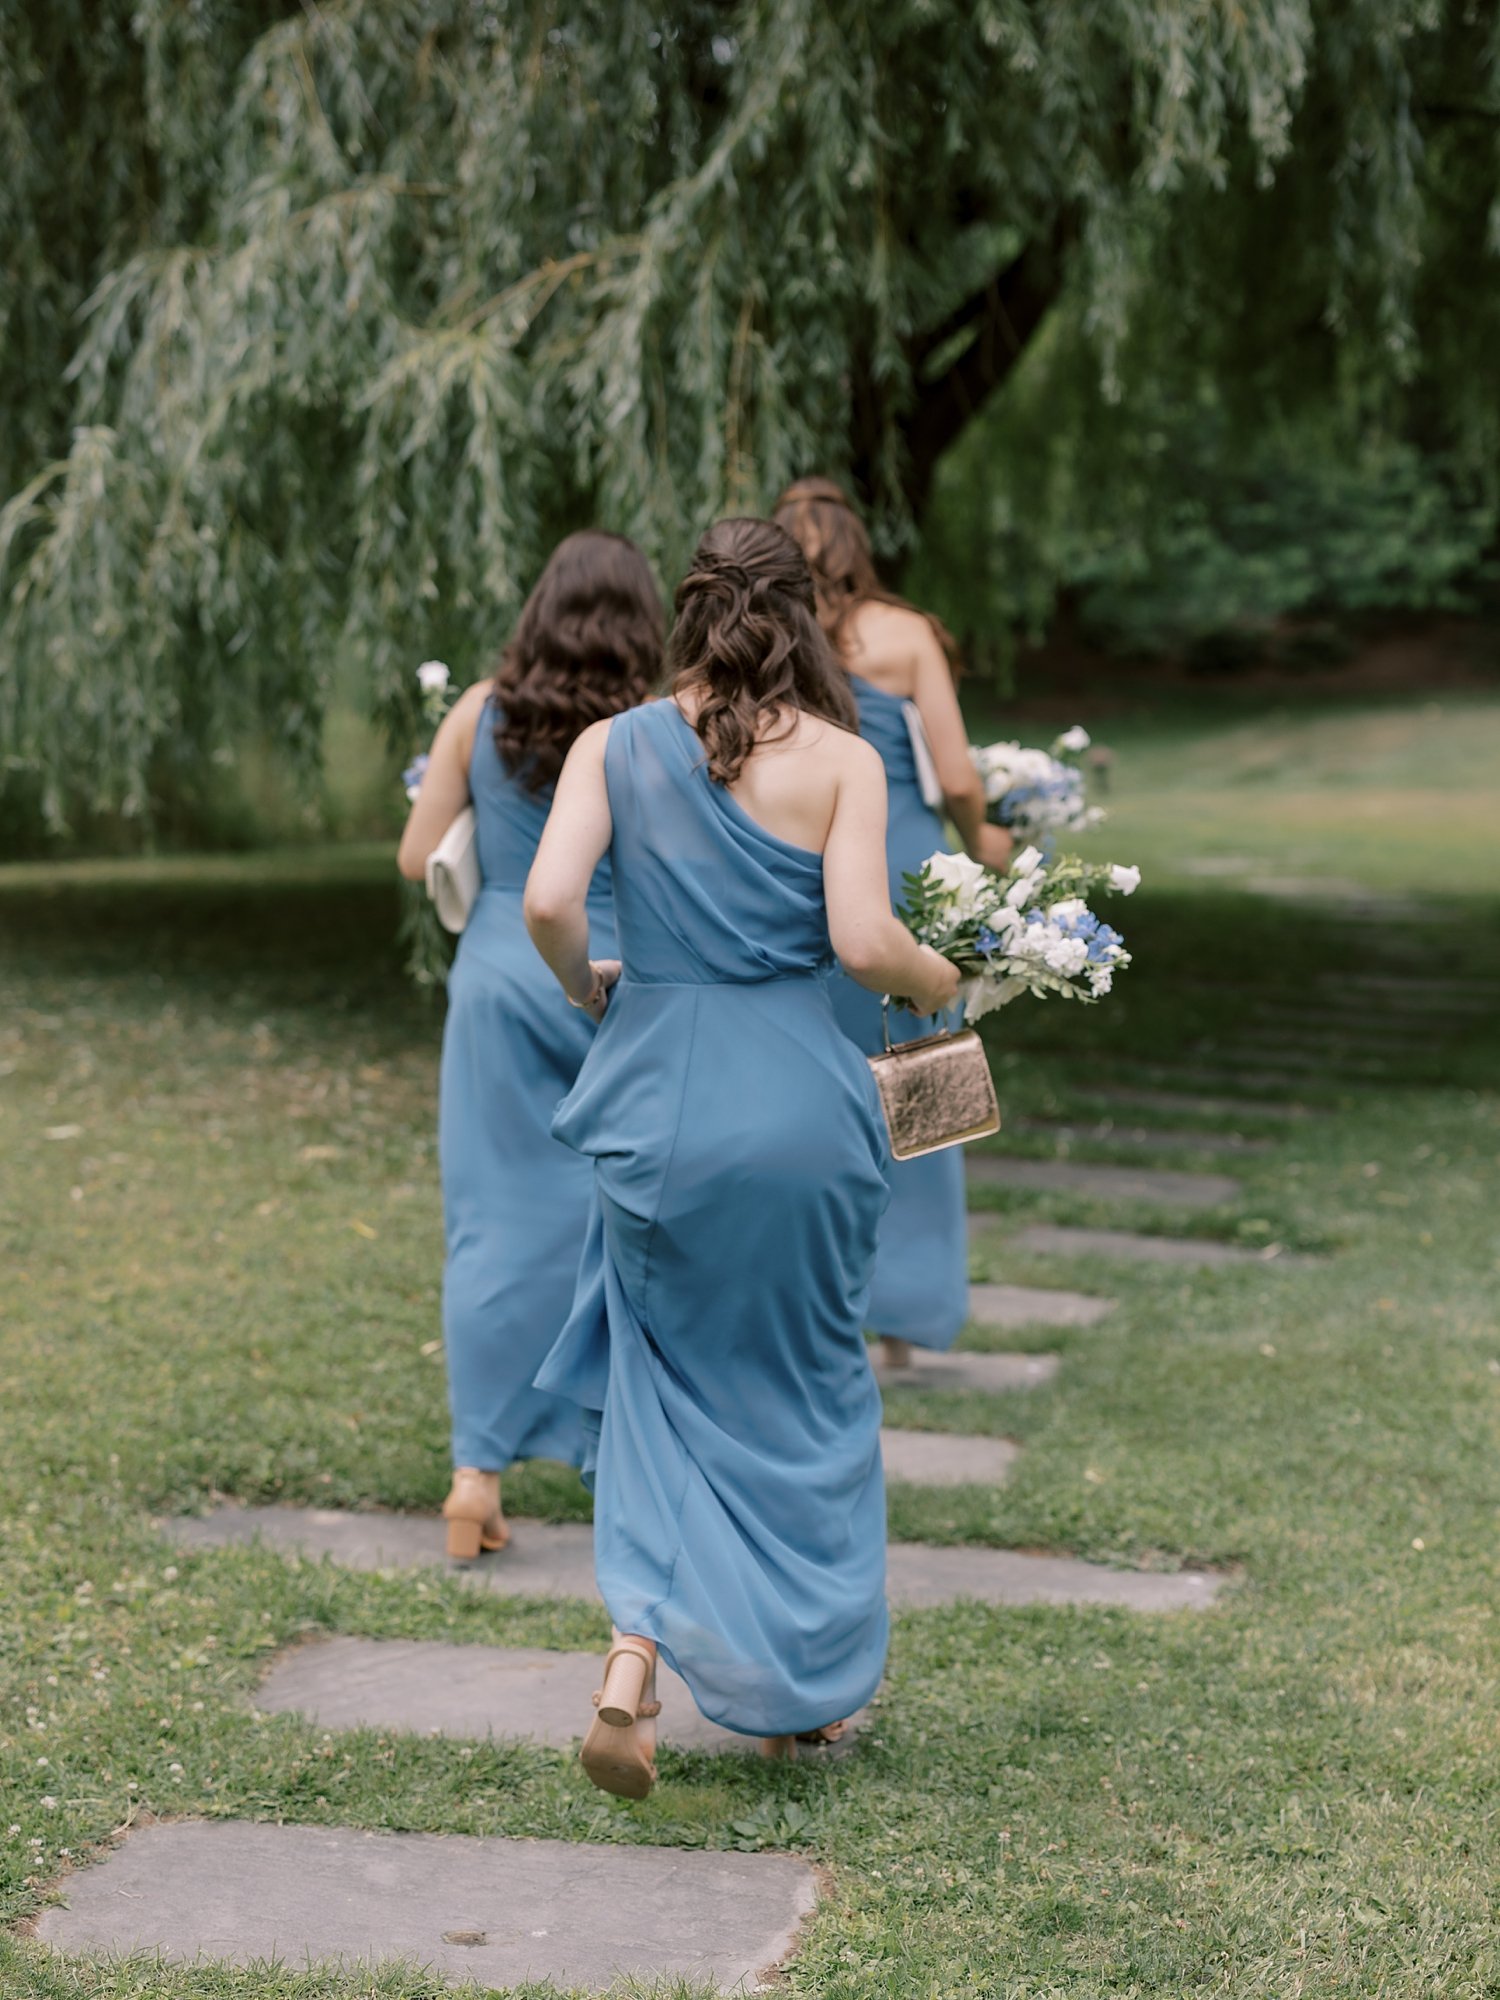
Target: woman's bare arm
[575, 840]
[963, 789]
[873, 946]
[445, 787]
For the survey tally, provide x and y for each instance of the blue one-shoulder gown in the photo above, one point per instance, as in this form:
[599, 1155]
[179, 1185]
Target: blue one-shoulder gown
[921, 1288]
[717, 1343]
[515, 1202]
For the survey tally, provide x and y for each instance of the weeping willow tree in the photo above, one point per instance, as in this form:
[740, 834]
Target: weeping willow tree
[323, 322]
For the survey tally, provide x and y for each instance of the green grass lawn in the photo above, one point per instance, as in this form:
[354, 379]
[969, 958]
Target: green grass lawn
[221, 1241]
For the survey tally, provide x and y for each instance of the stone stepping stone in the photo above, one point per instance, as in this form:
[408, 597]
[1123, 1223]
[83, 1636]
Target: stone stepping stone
[1010, 1306]
[1356, 1027]
[556, 1559]
[1334, 896]
[1207, 1107]
[1197, 1073]
[1210, 866]
[1453, 995]
[429, 1688]
[988, 1373]
[1176, 1190]
[942, 1458]
[500, 1912]
[1145, 1138]
[1048, 1240]
[1361, 1066]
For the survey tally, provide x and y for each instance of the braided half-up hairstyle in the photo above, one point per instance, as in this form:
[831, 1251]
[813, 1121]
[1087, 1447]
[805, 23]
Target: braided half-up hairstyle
[747, 644]
[588, 644]
[825, 524]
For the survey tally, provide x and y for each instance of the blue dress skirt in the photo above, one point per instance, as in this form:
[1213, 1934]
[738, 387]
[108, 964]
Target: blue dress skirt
[921, 1287]
[515, 1202]
[717, 1343]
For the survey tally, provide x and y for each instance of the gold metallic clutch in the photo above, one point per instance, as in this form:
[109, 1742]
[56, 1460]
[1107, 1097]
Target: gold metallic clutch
[935, 1092]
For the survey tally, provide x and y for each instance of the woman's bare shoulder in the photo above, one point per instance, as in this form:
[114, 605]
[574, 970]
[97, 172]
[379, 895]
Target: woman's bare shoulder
[881, 627]
[473, 699]
[846, 753]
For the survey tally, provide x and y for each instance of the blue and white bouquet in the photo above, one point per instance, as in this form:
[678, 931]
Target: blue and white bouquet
[438, 693]
[1037, 793]
[1030, 930]
[425, 943]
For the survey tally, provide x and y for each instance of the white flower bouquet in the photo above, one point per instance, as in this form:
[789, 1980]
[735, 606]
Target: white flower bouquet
[438, 693]
[1029, 930]
[423, 939]
[1037, 793]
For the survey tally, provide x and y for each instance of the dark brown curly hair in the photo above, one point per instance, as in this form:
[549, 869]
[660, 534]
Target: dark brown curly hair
[825, 524]
[747, 642]
[588, 644]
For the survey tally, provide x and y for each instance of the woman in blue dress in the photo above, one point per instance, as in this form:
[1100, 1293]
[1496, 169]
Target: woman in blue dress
[739, 1153]
[515, 1201]
[898, 659]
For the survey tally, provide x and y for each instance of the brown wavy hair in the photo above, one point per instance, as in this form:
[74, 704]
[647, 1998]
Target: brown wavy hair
[748, 643]
[825, 524]
[588, 644]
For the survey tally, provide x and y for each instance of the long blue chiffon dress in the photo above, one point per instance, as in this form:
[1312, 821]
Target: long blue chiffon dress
[515, 1202]
[717, 1343]
[921, 1287]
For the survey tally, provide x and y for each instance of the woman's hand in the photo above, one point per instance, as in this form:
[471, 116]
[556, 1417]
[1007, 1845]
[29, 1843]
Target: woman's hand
[936, 988]
[595, 1003]
[993, 847]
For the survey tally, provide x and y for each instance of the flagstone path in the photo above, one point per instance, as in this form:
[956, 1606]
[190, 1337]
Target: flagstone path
[1456, 995]
[1358, 1027]
[1172, 1189]
[1146, 1099]
[1197, 1073]
[1256, 1055]
[1010, 1306]
[1051, 1239]
[988, 1373]
[496, 1911]
[945, 1458]
[1148, 1138]
[556, 1559]
[428, 1687]
[501, 1911]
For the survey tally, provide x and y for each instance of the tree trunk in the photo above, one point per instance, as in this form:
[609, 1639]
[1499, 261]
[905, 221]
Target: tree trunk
[988, 333]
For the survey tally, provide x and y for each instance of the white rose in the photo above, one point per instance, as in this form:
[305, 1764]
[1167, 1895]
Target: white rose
[962, 881]
[1125, 880]
[1027, 861]
[432, 677]
[1019, 894]
[1074, 739]
[1071, 906]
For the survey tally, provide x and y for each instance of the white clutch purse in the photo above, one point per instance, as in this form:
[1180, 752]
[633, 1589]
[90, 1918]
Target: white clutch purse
[453, 872]
[921, 750]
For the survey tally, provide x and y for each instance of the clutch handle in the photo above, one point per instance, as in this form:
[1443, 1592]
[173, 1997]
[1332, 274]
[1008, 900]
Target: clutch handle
[919, 1041]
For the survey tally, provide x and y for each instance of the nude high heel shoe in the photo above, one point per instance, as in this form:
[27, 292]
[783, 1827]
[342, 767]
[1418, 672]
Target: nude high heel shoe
[785, 1747]
[619, 1752]
[472, 1511]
